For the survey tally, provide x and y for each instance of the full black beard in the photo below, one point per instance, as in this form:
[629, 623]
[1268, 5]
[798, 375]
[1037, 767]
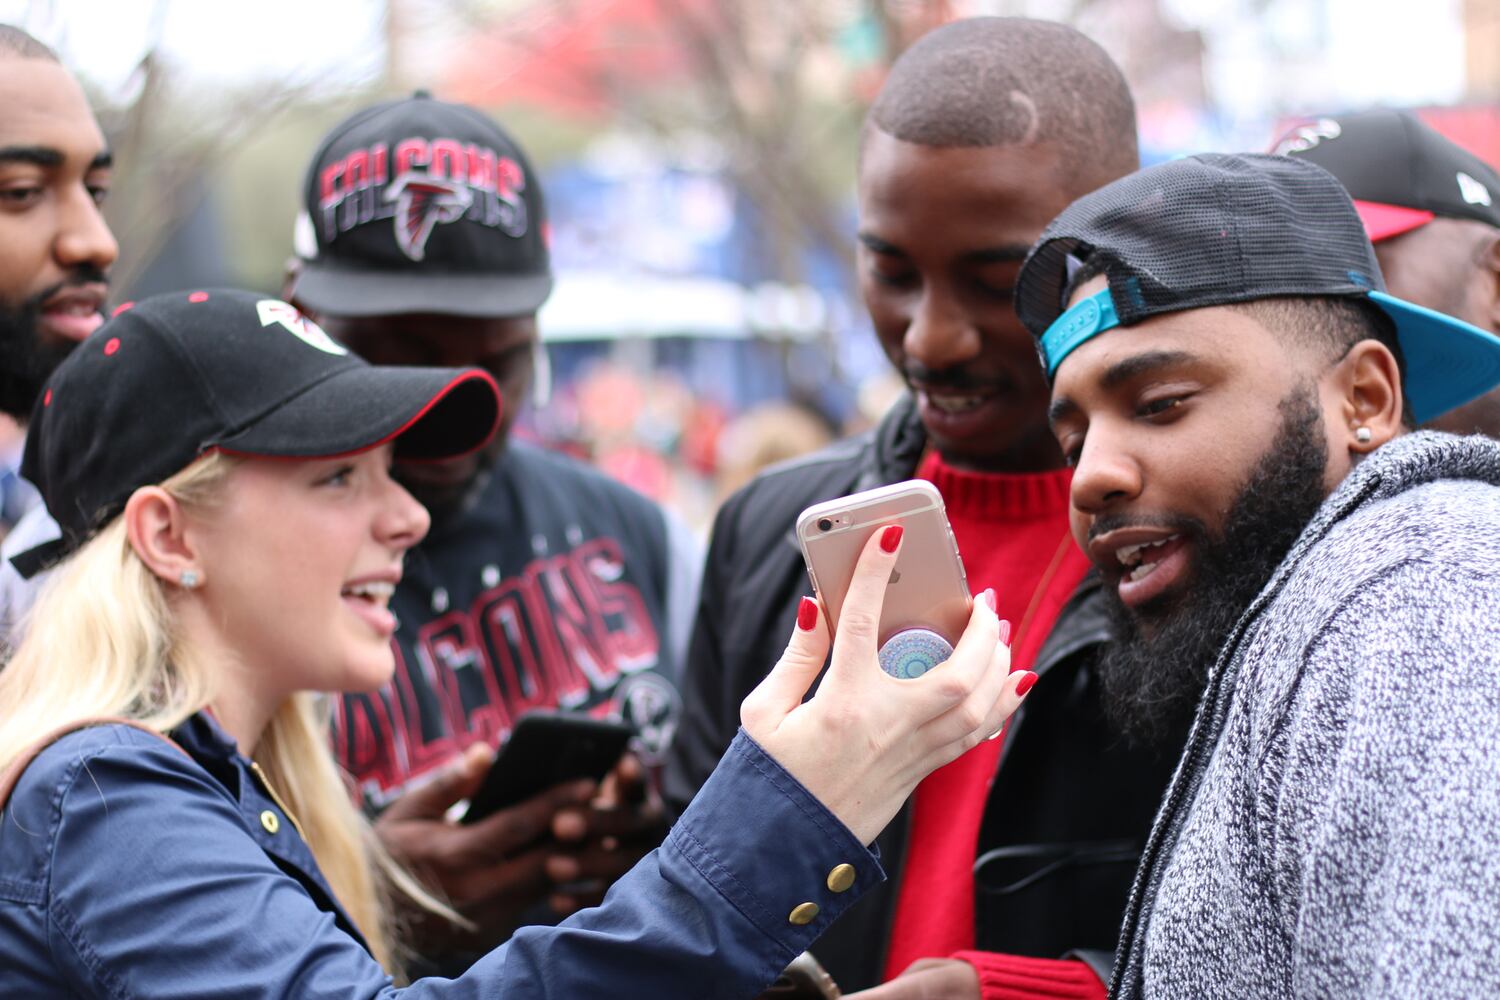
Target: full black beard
[1150, 682]
[25, 360]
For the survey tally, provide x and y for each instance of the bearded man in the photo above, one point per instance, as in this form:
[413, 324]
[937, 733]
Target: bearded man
[55, 249]
[1319, 586]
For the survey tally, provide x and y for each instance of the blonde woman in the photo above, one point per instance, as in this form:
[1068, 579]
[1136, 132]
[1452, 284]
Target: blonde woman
[230, 535]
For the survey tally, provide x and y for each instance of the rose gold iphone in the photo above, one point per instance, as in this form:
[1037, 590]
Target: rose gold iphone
[927, 600]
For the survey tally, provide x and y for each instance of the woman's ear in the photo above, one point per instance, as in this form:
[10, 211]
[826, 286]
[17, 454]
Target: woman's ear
[157, 526]
[1368, 383]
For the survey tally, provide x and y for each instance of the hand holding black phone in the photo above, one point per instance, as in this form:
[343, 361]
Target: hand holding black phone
[544, 750]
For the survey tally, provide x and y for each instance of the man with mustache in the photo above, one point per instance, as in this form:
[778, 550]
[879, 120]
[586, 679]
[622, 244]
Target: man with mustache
[1235, 392]
[55, 249]
[984, 130]
[1432, 209]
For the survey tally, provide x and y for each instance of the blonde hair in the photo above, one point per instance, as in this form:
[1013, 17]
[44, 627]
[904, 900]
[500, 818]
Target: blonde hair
[101, 641]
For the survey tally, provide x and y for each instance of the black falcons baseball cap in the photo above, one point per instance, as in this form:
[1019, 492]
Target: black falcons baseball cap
[175, 376]
[419, 205]
[1401, 173]
[1216, 229]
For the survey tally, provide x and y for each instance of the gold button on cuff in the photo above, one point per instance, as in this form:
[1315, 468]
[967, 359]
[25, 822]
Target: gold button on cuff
[804, 914]
[270, 821]
[841, 878]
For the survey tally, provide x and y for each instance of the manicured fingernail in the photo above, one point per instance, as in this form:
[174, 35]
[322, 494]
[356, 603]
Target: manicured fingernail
[989, 597]
[1025, 684]
[1004, 624]
[891, 537]
[807, 614]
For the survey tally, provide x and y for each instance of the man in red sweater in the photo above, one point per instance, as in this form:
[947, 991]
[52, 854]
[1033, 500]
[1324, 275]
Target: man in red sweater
[955, 183]
[984, 130]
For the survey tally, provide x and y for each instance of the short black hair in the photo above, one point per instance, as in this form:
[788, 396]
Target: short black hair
[22, 45]
[1000, 81]
[1333, 323]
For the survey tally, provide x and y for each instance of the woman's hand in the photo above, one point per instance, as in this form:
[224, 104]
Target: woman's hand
[865, 740]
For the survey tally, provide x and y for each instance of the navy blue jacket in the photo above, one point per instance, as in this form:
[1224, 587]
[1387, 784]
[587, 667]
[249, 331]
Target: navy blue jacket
[129, 869]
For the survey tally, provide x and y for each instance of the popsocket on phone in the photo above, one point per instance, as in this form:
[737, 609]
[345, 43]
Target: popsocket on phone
[912, 652]
[926, 605]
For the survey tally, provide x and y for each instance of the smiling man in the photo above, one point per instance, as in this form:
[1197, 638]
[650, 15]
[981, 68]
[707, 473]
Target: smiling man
[1021, 851]
[55, 249]
[54, 245]
[1235, 390]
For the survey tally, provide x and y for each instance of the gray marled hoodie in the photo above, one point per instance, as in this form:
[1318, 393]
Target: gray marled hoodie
[1333, 829]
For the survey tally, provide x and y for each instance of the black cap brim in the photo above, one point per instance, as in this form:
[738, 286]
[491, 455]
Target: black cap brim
[338, 292]
[430, 413]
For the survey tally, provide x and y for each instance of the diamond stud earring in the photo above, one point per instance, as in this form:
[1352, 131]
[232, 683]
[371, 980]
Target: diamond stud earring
[1362, 435]
[188, 579]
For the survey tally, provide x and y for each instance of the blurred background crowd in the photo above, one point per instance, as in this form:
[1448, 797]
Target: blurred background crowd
[698, 161]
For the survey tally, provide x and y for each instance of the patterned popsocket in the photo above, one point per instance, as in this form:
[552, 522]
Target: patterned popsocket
[913, 651]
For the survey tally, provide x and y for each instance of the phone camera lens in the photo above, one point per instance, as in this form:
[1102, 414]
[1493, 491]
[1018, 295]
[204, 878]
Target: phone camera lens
[824, 524]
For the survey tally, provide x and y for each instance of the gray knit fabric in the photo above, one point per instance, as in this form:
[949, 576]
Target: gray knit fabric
[1333, 829]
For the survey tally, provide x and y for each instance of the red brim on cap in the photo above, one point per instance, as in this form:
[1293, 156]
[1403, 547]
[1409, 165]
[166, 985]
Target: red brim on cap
[432, 414]
[1384, 221]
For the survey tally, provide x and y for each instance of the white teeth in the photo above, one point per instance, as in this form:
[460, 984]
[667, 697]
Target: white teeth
[374, 590]
[955, 404]
[1140, 572]
[1130, 555]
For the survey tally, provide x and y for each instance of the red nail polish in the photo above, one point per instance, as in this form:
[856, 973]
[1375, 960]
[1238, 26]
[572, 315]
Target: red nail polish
[1004, 630]
[1025, 684]
[807, 614]
[891, 537]
[989, 597]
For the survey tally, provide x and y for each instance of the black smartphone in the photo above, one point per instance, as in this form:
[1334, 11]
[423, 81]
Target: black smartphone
[547, 749]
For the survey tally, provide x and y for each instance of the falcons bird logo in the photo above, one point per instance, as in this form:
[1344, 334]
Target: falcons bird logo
[421, 203]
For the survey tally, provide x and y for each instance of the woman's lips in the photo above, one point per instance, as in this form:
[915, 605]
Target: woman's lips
[376, 615]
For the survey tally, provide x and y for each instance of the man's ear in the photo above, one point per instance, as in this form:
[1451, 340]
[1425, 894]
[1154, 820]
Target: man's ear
[1489, 263]
[290, 272]
[157, 526]
[1367, 386]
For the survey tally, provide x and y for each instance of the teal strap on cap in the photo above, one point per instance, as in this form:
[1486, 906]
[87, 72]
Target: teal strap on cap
[1084, 320]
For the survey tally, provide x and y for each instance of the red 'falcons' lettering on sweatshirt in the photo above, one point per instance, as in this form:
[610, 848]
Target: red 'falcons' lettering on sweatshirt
[549, 594]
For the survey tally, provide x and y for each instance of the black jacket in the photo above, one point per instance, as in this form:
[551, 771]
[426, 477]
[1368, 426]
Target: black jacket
[1070, 805]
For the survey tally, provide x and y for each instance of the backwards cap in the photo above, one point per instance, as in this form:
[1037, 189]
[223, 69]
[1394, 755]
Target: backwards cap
[1217, 229]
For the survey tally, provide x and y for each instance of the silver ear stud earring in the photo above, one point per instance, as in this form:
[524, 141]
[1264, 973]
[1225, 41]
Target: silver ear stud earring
[188, 579]
[1362, 435]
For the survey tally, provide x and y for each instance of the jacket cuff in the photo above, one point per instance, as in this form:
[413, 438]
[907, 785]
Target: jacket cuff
[1017, 977]
[771, 849]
